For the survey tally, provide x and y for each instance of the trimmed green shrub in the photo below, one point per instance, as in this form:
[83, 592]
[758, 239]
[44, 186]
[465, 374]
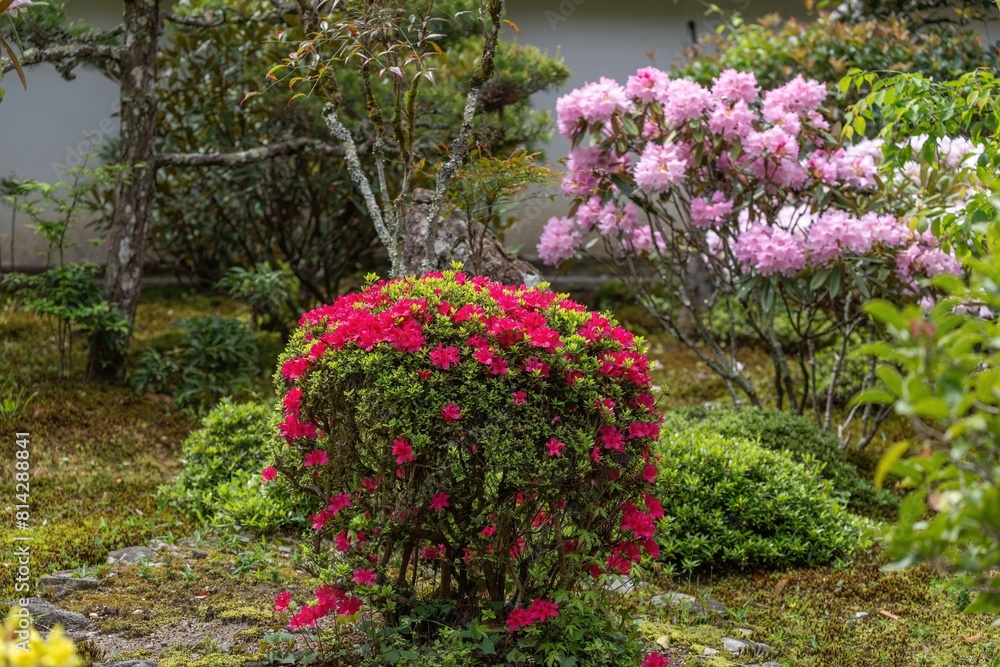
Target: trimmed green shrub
[731, 502]
[797, 437]
[221, 483]
[479, 444]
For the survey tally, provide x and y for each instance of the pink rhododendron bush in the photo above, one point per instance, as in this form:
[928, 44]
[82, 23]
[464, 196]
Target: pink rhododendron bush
[731, 202]
[470, 442]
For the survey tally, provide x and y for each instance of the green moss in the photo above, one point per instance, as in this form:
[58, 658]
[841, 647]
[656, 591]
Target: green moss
[246, 613]
[182, 657]
[808, 616]
[250, 635]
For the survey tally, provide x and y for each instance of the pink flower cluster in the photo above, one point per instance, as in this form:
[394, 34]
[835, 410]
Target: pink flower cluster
[18, 6]
[538, 611]
[770, 142]
[799, 240]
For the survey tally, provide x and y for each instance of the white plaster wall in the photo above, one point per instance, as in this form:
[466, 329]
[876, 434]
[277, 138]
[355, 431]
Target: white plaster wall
[48, 124]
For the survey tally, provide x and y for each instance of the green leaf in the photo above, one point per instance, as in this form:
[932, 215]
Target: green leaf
[888, 460]
[878, 396]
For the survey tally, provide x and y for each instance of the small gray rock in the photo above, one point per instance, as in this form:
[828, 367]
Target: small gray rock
[130, 555]
[622, 584]
[198, 554]
[771, 663]
[709, 652]
[67, 579]
[47, 615]
[860, 615]
[127, 663]
[743, 647]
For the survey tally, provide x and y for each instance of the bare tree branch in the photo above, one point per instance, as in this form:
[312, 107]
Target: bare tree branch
[460, 147]
[63, 52]
[251, 155]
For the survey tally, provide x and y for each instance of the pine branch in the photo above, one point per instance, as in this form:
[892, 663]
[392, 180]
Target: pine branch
[300, 146]
[460, 147]
[63, 52]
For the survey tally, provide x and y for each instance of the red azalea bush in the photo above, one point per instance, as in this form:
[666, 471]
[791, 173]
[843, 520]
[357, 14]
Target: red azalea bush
[469, 441]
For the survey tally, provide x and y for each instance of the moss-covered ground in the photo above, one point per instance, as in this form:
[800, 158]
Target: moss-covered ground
[98, 455]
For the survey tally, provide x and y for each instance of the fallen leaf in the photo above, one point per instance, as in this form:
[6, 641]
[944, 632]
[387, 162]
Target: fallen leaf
[137, 510]
[201, 595]
[889, 614]
[780, 586]
[759, 575]
[974, 639]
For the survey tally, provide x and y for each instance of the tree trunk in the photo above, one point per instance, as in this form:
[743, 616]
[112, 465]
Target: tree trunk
[134, 188]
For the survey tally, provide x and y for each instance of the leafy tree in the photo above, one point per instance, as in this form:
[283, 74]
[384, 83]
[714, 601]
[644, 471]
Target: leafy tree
[129, 54]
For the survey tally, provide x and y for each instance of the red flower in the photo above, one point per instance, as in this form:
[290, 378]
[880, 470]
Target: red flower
[545, 338]
[439, 501]
[555, 447]
[451, 412]
[294, 368]
[639, 523]
[519, 618]
[649, 473]
[654, 507]
[519, 397]
[316, 457]
[537, 367]
[431, 553]
[339, 502]
[269, 474]
[445, 357]
[543, 610]
[499, 367]
[292, 429]
[612, 438]
[402, 450]
[349, 605]
[483, 355]
[364, 577]
[655, 660]
[342, 542]
[292, 401]
[424, 374]
[489, 531]
[281, 602]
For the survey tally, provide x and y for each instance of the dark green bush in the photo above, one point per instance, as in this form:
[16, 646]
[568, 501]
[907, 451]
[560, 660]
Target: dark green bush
[731, 503]
[794, 435]
[778, 50]
[221, 482]
[215, 357]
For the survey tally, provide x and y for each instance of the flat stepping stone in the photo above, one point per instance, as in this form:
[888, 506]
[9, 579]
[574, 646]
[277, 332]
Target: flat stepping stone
[690, 603]
[131, 556]
[69, 579]
[47, 615]
[127, 663]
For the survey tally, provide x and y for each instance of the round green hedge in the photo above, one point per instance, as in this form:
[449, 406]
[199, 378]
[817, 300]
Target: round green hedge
[221, 484]
[798, 437]
[730, 502]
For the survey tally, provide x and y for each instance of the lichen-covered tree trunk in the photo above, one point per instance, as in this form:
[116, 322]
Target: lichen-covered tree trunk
[134, 188]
